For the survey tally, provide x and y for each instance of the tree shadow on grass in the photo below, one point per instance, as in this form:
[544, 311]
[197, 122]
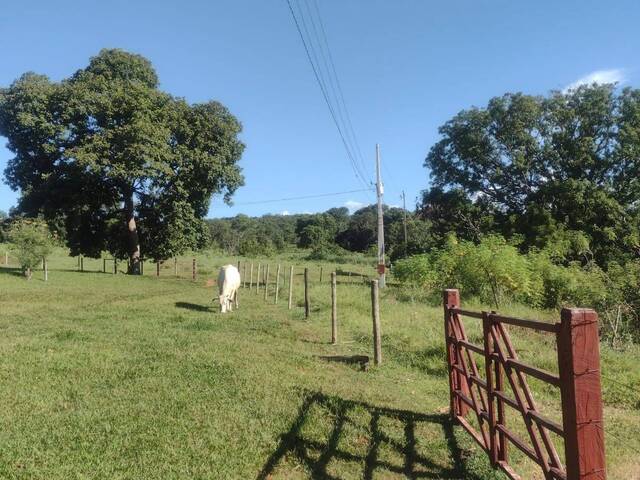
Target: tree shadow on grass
[317, 455]
[194, 307]
[13, 271]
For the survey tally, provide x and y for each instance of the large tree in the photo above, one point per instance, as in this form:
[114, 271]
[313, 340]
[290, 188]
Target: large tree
[568, 161]
[117, 161]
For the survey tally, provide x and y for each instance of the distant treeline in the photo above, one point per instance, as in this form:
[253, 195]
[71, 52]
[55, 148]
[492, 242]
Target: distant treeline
[323, 234]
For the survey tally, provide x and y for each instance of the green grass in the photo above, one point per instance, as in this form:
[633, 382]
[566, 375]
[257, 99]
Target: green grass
[111, 376]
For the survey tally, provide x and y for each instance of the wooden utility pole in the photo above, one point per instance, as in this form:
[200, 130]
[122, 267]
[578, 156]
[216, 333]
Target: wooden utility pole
[290, 287]
[334, 310]
[375, 314]
[306, 293]
[277, 283]
[379, 193]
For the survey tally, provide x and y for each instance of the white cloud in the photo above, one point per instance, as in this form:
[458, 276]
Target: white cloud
[285, 212]
[615, 75]
[353, 205]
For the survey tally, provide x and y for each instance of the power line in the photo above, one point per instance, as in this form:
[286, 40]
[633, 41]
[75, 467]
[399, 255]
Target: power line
[340, 94]
[305, 197]
[311, 54]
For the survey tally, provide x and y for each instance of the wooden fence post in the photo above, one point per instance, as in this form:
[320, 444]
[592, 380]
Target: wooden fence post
[375, 314]
[334, 309]
[320, 273]
[306, 293]
[451, 298]
[244, 275]
[193, 270]
[6, 258]
[45, 268]
[290, 286]
[580, 389]
[266, 282]
[277, 284]
[251, 277]
[175, 266]
[258, 279]
[81, 263]
[104, 265]
[158, 268]
[115, 266]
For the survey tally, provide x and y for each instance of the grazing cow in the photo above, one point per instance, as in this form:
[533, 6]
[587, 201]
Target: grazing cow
[228, 284]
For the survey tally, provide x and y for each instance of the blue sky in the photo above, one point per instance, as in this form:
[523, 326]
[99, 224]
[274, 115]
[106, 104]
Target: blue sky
[405, 66]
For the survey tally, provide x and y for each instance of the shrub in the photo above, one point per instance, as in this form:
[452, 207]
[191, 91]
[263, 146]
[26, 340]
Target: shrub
[32, 242]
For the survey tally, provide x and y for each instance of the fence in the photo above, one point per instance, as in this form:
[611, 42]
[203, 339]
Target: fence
[576, 338]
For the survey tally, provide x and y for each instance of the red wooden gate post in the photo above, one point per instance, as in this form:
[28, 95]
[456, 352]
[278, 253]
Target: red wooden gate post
[579, 362]
[451, 298]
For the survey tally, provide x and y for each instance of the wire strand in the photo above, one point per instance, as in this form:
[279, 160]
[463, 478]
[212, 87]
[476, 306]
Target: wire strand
[304, 197]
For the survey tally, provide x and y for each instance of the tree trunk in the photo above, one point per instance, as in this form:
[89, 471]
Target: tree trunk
[132, 234]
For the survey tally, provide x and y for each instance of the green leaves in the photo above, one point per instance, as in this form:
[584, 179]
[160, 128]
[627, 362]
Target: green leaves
[108, 137]
[538, 163]
[32, 242]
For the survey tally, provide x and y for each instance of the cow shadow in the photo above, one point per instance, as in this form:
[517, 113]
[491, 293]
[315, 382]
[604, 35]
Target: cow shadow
[195, 307]
[316, 455]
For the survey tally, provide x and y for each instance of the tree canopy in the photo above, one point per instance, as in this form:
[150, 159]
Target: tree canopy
[532, 166]
[116, 162]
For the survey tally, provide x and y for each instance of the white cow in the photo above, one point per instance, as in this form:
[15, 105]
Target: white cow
[228, 284]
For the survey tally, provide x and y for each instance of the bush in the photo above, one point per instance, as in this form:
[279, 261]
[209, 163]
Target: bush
[493, 271]
[32, 242]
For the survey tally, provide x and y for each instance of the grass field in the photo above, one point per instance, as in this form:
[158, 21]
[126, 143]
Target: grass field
[111, 376]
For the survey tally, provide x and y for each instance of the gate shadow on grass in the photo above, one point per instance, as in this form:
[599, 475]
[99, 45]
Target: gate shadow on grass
[317, 455]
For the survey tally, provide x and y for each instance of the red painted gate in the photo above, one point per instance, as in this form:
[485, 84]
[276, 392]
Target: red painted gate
[503, 384]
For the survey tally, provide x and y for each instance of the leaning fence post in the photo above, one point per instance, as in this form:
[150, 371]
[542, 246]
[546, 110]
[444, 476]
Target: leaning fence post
[266, 282]
[193, 269]
[375, 314]
[306, 293]
[579, 362]
[277, 284]
[451, 299]
[290, 286]
[334, 310]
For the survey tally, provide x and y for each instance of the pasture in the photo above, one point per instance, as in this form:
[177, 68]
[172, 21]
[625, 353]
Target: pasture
[121, 377]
